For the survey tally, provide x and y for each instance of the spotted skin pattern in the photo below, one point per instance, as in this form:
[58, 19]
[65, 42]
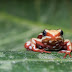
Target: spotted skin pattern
[50, 40]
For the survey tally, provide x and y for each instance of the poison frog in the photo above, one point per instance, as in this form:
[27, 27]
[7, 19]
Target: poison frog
[49, 40]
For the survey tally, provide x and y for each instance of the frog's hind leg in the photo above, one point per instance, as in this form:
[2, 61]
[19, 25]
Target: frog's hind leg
[32, 45]
[68, 51]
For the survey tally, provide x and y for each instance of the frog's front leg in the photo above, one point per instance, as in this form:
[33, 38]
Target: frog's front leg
[31, 45]
[69, 46]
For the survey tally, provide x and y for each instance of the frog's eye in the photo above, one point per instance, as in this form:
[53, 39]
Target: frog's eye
[44, 33]
[61, 32]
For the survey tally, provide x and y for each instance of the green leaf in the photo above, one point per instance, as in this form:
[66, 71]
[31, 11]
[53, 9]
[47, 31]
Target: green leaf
[21, 21]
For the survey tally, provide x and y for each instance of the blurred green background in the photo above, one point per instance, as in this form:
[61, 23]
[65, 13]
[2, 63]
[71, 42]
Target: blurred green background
[21, 20]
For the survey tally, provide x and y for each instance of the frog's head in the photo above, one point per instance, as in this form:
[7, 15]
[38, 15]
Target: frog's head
[52, 35]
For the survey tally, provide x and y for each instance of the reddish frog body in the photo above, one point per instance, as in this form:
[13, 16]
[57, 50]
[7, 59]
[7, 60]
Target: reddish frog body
[50, 40]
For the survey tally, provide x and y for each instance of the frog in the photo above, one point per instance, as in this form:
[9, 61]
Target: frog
[50, 40]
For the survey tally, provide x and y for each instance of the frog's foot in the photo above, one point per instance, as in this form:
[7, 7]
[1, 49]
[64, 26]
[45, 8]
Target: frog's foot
[65, 51]
[68, 51]
[40, 50]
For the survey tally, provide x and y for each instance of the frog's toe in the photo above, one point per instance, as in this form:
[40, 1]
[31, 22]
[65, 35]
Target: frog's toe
[47, 51]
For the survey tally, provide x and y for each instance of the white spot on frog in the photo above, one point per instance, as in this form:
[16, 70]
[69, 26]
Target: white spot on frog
[30, 47]
[50, 41]
[68, 43]
[54, 46]
[33, 41]
[28, 43]
[57, 44]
